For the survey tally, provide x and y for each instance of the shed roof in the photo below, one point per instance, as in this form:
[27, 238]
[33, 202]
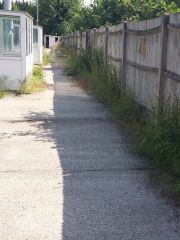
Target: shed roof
[15, 13]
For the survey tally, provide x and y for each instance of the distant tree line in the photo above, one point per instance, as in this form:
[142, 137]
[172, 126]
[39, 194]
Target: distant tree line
[61, 17]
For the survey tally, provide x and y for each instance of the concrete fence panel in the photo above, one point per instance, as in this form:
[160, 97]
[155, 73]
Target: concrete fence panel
[146, 54]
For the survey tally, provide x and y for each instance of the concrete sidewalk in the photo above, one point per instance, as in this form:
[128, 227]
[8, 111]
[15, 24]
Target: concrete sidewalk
[66, 172]
[31, 184]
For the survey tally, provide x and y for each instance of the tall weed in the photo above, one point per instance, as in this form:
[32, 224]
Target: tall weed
[160, 137]
[36, 83]
[158, 131]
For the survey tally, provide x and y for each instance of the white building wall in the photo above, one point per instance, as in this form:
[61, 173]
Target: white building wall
[15, 70]
[10, 72]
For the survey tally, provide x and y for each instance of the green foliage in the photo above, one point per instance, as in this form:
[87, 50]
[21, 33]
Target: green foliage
[25, 6]
[47, 57]
[178, 187]
[111, 12]
[128, 110]
[3, 93]
[158, 131]
[160, 137]
[63, 17]
[38, 72]
[55, 16]
[103, 81]
[72, 62]
[35, 84]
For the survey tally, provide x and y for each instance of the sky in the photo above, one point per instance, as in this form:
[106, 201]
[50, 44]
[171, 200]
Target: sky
[87, 2]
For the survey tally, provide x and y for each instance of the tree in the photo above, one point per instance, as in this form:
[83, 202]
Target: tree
[60, 17]
[111, 12]
[54, 15]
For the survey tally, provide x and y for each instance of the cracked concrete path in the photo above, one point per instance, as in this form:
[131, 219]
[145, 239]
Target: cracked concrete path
[66, 172]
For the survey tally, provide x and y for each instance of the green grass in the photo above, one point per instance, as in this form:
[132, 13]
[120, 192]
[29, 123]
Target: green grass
[35, 83]
[158, 132]
[3, 93]
[178, 187]
[104, 82]
[90, 63]
[47, 57]
[159, 139]
[126, 109]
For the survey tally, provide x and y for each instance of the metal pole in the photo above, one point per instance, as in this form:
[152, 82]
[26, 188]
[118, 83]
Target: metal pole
[7, 5]
[37, 12]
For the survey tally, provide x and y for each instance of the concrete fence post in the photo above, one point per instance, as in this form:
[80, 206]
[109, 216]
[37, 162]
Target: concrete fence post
[123, 62]
[87, 39]
[106, 46]
[106, 42]
[80, 41]
[76, 40]
[163, 56]
[94, 37]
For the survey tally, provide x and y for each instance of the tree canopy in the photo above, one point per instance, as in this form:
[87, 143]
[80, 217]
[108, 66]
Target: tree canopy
[59, 17]
[110, 12]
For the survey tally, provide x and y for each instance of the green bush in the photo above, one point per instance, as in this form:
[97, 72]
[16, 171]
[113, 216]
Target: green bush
[160, 137]
[3, 93]
[47, 58]
[35, 83]
[128, 110]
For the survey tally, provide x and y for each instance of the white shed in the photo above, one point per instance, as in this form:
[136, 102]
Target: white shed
[38, 44]
[50, 41]
[16, 48]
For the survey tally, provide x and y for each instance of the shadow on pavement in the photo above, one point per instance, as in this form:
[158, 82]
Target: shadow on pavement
[109, 193]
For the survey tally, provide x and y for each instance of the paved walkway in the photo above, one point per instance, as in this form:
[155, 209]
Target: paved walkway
[66, 172]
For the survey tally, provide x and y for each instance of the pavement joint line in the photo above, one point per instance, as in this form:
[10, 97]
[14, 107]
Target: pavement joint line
[107, 170]
[79, 171]
[32, 170]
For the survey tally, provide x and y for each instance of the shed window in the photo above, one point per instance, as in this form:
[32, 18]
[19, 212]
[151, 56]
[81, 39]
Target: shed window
[29, 34]
[35, 35]
[10, 36]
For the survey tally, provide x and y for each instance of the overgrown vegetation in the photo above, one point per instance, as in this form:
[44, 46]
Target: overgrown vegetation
[3, 93]
[63, 17]
[35, 83]
[112, 12]
[90, 63]
[160, 137]
[47, 57]
[158, 131]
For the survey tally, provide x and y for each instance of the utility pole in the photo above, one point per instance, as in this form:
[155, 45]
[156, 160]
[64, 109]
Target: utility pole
[37, 12]
[7, 5]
